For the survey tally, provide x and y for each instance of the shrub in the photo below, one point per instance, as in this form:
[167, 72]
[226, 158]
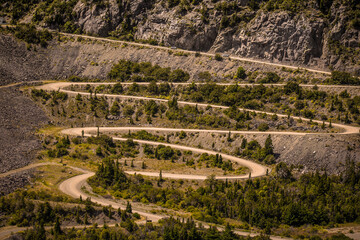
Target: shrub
[218, 57]
[117, 88]
[74, 78]
[206, 76]
[338, 77]
[263, 127]
[240, 73]
[299, 105]
[179, 75]
[31, 35]
[270, 77]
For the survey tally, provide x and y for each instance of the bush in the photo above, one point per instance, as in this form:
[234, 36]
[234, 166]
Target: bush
[136, 215]
[270, 77]
[117, 88]
[179, 75]
[263, 127]
[74, 78]
[291, 87]
[338, 77]
[205, 76]
[299, 104]
[240, 73]
[164, 152]
[31, 35]
[218, 57]
[145, 72]
[269, 159]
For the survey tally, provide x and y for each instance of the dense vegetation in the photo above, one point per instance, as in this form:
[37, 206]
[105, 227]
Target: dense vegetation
[31, 35]
[314, 198]
[145, 72]
[291, 99]
[20, 209]
[254, 150]
[343, 78]
[74, 112]
[168, 229]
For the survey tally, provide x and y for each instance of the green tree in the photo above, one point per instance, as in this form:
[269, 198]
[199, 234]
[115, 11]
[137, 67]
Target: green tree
[282, 171]
[240, 73]
[153, 88]
[57, 228]
[218, 57]
[269, 149]
[128, 207]
[243, 143]
[115, 109]
[179, 75]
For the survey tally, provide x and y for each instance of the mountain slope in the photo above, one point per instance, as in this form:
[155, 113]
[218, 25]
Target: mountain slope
[322, 33]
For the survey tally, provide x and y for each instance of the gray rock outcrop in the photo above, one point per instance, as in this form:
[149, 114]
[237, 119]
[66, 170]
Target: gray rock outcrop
[305, 38]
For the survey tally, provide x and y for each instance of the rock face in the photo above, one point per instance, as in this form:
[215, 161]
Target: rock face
[305, 38]
[187, 33]
[276, 36]
[96, 19]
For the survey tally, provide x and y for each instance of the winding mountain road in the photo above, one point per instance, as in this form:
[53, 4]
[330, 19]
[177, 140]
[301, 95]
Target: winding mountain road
[74, 186]
[59, 86]
[257, 170]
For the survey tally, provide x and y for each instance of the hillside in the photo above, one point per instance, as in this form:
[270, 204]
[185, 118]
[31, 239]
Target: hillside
[66, 56]
[320, 33]
[180, 119]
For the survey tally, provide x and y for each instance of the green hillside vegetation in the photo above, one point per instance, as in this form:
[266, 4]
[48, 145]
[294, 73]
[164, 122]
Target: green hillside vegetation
[76, 112]
[290, 99]
[314, 198]
[170, 229]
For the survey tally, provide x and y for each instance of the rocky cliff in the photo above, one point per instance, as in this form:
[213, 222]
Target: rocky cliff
[317, 33]
[306, 35]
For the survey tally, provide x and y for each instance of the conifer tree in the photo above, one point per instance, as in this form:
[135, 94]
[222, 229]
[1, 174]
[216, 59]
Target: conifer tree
[269, 149]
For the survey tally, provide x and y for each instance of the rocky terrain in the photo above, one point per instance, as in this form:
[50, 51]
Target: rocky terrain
[19, 118]
[18, 64]
[94, 59]
[324, 35]
[17, 180]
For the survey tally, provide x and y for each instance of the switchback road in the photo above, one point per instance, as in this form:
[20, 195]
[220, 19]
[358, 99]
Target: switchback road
[59, 86]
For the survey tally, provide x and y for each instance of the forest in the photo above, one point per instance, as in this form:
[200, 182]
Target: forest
[313, 198]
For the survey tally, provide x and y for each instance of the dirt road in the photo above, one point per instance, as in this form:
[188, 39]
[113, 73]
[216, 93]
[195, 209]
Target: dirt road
[257, 170]
[58, 86]
[243, 59]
